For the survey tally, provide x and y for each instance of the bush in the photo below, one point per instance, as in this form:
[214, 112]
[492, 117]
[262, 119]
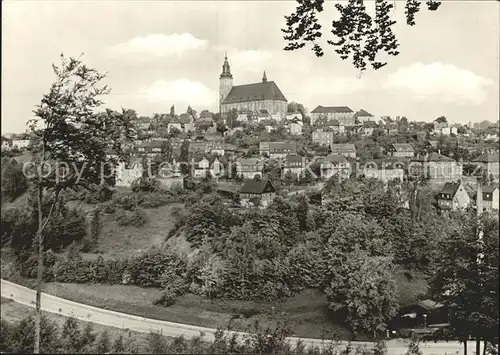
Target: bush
[146, 185]
[136, 218]
[156, 200]
[167, 299]
[147, 269]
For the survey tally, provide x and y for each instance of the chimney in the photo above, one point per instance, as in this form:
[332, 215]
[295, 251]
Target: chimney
[479, 198]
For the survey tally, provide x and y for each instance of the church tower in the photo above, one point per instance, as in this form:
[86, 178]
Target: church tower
[225, 82]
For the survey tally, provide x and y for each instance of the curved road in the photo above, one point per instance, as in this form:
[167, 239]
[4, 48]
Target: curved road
[61, 306]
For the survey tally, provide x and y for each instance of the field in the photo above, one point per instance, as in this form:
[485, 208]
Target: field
[304, 313]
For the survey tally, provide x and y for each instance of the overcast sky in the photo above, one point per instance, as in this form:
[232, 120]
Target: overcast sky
[161, 53]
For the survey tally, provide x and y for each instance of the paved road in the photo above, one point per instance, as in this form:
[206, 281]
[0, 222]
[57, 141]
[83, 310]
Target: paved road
[84, 312]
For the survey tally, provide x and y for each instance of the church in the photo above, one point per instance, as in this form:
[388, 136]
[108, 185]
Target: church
[250, 97]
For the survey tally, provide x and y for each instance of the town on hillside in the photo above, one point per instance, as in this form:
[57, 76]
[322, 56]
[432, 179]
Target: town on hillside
[208, 196]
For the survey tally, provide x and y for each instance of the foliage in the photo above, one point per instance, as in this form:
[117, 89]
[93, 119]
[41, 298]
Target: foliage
[14, 182]
[137, 217]
[361, 37]
[466, 278]
[364, 290]
[145, 184]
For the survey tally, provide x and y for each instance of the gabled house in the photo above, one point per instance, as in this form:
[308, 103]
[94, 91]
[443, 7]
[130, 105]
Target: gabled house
[402, 150]
[453, 196]
[347, 150]
[295, 165]
[187, 122]
[335, 164]
[249, 168]
[201, 167]
[364, 116]
[489, 162]
[487, 197]
[257, 193]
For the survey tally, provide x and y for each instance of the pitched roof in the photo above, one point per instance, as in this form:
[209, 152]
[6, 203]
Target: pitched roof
[435, 157]
[331, 109]
[253, 186]
[488, 157]
[402, 147]
[336, 158]
[363, 113]
[490, 188]
[429, 304]
[343, 147]
[449, 190]
[185, 118]
[249, 161]
[294, 159]
[253, 92]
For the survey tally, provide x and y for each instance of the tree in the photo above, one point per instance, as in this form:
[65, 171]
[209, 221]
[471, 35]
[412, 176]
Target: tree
[361, 37]
[365, 291]
[70, 144]
[441, 119]
[466, 278]
[14, 182]
[302, 212]
[172, 111]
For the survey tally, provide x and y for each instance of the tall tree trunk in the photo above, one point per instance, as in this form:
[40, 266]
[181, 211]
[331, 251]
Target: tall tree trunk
[465, 346]
[478, 345]
[39, 277]
[484, 347]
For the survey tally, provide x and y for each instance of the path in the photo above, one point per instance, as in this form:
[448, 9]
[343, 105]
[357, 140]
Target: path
[57, 305]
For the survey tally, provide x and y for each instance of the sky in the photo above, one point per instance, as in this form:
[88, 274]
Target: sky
[163, 53]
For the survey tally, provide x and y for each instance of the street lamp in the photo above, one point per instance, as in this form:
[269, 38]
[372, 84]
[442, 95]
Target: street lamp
[425, 321]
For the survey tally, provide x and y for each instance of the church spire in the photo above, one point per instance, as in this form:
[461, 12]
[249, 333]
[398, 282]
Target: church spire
[264, 77]
[226, 70]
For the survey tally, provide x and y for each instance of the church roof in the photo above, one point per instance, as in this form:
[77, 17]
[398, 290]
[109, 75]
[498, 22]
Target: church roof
[253, 92]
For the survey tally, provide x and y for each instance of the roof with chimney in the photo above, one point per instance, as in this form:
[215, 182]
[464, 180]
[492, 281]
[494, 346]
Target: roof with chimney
[336, 158]
[331, 109]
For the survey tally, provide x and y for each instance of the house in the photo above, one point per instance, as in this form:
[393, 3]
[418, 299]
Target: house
[217, 148]
[279, 150]
[453, 196]
[487, 197]
[244, 116]
[384, 174]
[200, 167]
[257, 193]
[323, 137]
[420, 315]
[489, 162]
[335, 164]
[363, 116]
[187, 122]
[205, 126]
[347, 150]
[294, 117]
[436, 167]
[366, 130]
[268, 125]
[340, 113]
[150, 148]
[330, 125]
[294, 164]
[20, 144]
[249, 168]
[402, 150]
[127, 172]
[263, 115]
[295, 128]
